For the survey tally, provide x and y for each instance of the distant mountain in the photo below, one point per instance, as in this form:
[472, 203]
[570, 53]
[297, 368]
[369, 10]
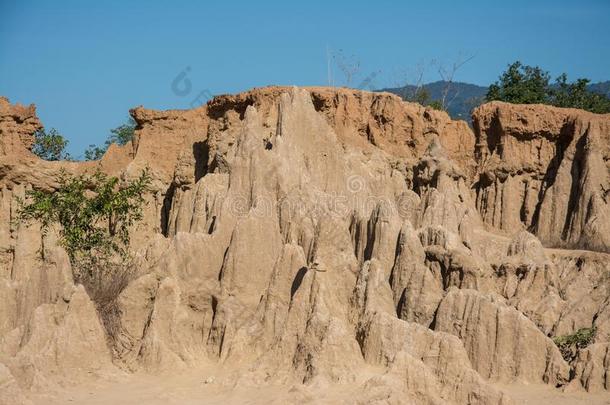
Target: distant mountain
[601, 88]
[463, 97]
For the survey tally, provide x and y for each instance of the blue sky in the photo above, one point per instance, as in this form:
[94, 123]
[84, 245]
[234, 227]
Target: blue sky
[85, 63]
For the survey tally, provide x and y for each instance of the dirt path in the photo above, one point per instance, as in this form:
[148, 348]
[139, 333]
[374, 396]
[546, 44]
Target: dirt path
[209, 385]
[190, 387]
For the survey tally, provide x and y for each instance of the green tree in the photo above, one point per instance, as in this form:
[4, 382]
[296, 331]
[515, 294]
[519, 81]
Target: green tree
[421, 96]
[120, 135]
[50, 145]
[436, 105]
[577, 95]
[521, 84]
[94, 152]
[598, 103]
[94, 213]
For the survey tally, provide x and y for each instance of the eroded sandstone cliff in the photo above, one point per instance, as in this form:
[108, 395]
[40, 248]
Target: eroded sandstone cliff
[545, 169]
[329, 236]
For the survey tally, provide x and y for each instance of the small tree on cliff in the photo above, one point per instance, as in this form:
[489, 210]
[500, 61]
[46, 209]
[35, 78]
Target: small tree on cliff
[123, 133]
[447, 74]
[120, 135]
[348, 64]
[94, 214]
[577, 95]
[50, 145]
[521, 84]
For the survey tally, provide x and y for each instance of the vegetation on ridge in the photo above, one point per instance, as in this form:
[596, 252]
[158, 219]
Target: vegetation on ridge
[93, 214]
[518, 84]
[570, 344]
[120, 135]
[522, 84]
[52, 145]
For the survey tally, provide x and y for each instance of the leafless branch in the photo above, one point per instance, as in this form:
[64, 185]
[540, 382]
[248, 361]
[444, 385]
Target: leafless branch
[349, 65]
[447, 75]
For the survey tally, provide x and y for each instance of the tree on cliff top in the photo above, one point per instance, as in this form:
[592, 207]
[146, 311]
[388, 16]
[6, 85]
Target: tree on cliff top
[50, 145]
[120, 135]
[522, 84]
[577, 95]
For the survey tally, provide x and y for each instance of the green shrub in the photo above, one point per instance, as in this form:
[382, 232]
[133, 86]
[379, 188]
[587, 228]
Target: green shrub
[50, 145]
[94, 152]
[422, 96]
[94, 214]
[522, 84]
[577, 95]
[120, 135]
[436, 105]
[570, 344]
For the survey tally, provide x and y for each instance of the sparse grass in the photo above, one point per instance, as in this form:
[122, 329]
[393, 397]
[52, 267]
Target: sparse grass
[104, 282]
[570, 344]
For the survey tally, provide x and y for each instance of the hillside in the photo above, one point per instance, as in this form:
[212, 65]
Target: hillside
[323, 245]
[601, 88]
[464, 97]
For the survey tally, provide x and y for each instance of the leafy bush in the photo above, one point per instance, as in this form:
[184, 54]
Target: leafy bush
[94, 214]
[422, 96]
[94, 152]
[522, 84]
[436, 105]
[50, 145]
[569, 344]
[577, 95]
[120, 135]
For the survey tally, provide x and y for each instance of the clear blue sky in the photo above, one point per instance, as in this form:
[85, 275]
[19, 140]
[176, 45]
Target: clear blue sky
[85, 63]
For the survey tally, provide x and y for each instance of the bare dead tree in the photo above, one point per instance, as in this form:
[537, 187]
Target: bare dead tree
[447, 74]
[419, 72]
[411, 81]
[348, 65]
[367, 82]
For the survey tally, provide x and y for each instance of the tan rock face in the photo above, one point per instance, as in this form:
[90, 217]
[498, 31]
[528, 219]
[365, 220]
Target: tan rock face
[592, 366]
[546, 169]
[306, 235]
[491, 330]
[18, 125]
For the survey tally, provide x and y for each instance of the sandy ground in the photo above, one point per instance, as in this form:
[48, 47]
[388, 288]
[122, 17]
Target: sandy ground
[204, 385]
[207, 385]
[533, 394]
